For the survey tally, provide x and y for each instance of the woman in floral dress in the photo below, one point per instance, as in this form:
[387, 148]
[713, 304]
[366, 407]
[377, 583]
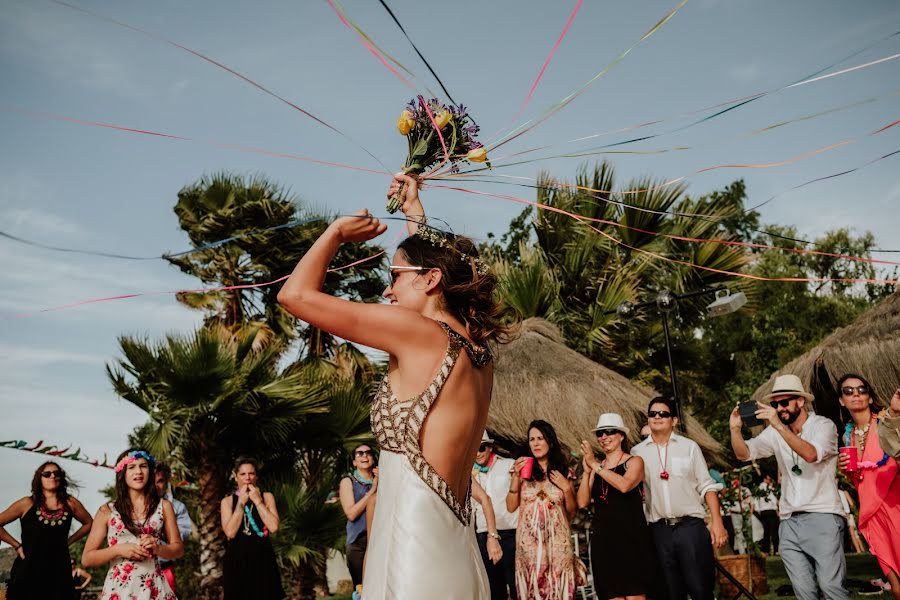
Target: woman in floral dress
[545, 562]
[133, 526]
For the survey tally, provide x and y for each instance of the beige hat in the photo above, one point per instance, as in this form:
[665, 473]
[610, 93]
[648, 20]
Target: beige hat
[486, 439]
[611, 421]
[788, 385]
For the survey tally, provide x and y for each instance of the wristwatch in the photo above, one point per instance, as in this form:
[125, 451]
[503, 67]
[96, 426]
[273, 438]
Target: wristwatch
[494, 535]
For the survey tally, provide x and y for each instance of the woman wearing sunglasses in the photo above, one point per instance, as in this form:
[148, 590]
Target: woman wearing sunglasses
[431, 407]
[613, 485]
[876, 474]
[356, 493]
[41, 569]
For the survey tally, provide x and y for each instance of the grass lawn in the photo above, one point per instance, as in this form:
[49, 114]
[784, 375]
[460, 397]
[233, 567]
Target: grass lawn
[860, 569]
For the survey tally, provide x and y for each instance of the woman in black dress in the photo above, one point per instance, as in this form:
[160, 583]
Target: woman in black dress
[249, 516]
[41, 569]
[621, 546]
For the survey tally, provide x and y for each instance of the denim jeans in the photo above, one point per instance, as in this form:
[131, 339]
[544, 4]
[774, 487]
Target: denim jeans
[812, 549]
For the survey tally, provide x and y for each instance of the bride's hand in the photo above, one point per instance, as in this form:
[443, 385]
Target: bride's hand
[361, 227]
[411, 205]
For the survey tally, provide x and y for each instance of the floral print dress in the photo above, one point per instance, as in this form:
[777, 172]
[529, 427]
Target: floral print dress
[545, 562]
[129, 579]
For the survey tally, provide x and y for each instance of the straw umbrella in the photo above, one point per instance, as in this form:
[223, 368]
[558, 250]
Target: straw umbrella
[870, 346]
[536, 376]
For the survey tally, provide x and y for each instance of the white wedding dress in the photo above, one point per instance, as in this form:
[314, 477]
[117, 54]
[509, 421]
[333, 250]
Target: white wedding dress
[422, 544]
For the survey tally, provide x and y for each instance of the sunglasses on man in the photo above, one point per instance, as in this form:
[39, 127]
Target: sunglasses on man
[484, 447]
[848, 390]
[662, 414]
[783, 403]
[49, 474]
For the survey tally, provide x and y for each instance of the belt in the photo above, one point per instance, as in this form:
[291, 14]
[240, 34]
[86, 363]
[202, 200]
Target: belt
[675, 521]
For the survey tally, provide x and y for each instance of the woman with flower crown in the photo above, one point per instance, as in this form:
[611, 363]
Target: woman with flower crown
[876, 474]
[41, 569]
[430, 410]
[249, 516]
[133, 526]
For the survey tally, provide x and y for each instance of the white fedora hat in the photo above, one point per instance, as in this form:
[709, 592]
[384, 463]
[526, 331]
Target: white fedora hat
[788, 385]
[486, 439]
[611, 421]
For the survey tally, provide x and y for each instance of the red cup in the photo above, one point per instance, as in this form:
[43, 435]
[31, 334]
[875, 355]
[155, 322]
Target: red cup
[851, 453]
[525, 471]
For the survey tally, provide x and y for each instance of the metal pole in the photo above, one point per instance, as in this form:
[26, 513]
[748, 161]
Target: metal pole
[681, 424]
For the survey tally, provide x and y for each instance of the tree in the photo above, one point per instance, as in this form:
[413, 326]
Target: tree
[267, 230]
[210, 396]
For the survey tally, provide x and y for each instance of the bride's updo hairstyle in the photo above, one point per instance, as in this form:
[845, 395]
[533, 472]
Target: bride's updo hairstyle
[467, 284]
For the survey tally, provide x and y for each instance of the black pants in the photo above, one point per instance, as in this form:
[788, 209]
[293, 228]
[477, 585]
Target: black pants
[502, 576]
[686, 557]
[770, 522]
[356, 554]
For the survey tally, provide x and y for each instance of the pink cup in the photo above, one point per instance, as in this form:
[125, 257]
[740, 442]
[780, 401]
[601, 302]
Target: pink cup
[851, 453]
[525, 471]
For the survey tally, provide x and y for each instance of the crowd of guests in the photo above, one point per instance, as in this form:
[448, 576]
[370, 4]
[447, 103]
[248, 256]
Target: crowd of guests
[656, 515]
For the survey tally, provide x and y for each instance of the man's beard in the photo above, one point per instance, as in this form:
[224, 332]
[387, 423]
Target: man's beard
[788, 417]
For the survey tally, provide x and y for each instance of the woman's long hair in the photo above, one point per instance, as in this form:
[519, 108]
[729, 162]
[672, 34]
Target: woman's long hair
[37, 490]
[555, 456]
[123, 499]
[468, 294]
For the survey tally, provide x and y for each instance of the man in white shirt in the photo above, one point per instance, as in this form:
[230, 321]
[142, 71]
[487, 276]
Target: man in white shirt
[676, 482]
[492, 472]
[182, 518]
[812, 525]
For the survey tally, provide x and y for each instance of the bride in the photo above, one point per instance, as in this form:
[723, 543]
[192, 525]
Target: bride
[430, 411]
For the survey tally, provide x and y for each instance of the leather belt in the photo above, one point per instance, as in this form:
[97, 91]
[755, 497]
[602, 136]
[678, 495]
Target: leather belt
[674, 521]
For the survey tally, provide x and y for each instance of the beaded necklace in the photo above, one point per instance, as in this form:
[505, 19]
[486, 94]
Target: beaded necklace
[604, 486]
[358, 476]
[52, 518]
[249, 522]
[664, 474]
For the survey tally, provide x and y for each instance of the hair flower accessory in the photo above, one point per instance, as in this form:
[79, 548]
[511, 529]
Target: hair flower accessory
[133, 456]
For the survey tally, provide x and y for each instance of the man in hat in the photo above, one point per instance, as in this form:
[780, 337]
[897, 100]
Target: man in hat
[492, 473]
[676, 484]
[812, 524]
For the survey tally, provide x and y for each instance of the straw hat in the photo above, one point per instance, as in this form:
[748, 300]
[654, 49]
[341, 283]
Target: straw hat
[788, 385]
[611, 421]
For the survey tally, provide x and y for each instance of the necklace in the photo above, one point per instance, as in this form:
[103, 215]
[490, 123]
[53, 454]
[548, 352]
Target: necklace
[358, 476]
[796, 470]
[249, 522]
[861, 443]
[52, 518]
[664, 474]
[604, 486]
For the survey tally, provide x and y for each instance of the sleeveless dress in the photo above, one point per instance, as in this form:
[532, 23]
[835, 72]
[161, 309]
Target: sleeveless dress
[879, 504]
[421, 544]
[357, 538]
[250, 568]
[545, 560]
[134, 579]
[621, 546]
[46, 572]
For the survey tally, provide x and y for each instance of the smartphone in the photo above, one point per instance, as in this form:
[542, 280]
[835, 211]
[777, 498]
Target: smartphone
[748, 413]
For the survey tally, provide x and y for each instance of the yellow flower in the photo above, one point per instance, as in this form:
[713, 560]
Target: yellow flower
[405, 123]
[477, 155]
[442, 118]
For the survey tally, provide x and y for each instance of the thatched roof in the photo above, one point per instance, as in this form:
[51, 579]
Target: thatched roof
[869, 346]
[536, 376]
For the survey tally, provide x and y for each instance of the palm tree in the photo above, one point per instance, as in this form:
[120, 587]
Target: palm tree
[268, 231]
[211, 396]
[574, 272]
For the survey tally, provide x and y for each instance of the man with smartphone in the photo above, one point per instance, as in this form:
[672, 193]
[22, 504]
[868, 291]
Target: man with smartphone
[812, 526]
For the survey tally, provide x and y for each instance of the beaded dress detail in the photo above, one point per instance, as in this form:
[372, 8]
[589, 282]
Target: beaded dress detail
[417, 547]
[397, 424]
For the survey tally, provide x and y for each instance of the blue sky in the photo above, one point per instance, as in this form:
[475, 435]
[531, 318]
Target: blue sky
[73, 185]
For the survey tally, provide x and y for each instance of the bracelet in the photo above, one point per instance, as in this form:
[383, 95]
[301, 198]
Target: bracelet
[512, 491]
[494, 534]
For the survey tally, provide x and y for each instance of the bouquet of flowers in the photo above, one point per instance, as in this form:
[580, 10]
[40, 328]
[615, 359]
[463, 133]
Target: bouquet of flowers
[437, 133]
